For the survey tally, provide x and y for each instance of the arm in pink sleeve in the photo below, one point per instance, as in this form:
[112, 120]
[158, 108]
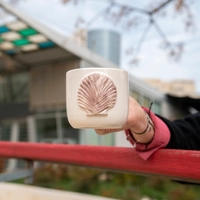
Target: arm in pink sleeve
[160, 140]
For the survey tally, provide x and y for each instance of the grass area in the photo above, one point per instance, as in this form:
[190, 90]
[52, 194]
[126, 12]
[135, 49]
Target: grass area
[112, 184]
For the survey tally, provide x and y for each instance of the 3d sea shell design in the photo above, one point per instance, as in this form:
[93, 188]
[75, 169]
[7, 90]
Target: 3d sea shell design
[97, 94]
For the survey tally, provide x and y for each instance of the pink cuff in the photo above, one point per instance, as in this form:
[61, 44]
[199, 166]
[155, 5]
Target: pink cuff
[160, 140]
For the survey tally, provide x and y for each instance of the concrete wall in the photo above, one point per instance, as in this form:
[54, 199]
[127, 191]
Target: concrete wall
[47, 86]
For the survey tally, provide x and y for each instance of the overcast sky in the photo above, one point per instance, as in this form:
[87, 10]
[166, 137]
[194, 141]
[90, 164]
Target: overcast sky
[154, 62]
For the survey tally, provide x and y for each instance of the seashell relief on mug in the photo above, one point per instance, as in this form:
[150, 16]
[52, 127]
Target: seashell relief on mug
[97, 94]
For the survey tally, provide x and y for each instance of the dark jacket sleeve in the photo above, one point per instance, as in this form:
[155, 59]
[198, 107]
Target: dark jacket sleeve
[185, 133]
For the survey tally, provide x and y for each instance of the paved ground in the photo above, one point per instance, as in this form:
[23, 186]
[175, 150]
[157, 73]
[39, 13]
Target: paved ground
[10, 191]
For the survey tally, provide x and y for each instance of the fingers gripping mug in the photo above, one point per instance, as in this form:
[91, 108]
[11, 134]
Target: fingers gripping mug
[97, 97]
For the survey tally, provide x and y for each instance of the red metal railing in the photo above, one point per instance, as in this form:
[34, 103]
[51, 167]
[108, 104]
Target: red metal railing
[175, 164]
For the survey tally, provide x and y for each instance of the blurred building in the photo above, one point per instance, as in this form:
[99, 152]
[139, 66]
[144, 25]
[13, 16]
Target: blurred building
[105, 43]
[33, 63]
[175, 87]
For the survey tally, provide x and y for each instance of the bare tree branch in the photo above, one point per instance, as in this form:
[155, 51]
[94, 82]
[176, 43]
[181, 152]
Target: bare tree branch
[155, 10]
[140, 42]
[121, 14]
[132, 8]
[124, 11]
[99, 14]
[143, 36]
[161, 33]
[175, 50]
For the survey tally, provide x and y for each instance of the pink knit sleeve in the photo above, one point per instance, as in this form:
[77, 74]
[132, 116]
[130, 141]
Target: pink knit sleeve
[160, 140]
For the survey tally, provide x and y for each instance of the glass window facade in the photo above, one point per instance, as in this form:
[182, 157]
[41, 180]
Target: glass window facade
[156, 107]
[14, 88]
[46, 130]
[23, 136]
[135, 95]
[146, 101]
[55, 128]
[70, 135]
[2, 90]
[5, 130]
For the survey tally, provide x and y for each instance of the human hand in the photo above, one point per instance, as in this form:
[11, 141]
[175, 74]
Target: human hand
[137, 122]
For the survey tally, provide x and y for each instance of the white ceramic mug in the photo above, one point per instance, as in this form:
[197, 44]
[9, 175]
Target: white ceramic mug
[97, 97]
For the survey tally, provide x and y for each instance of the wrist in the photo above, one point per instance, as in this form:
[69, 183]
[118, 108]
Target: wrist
[146, 132]
[148, 123]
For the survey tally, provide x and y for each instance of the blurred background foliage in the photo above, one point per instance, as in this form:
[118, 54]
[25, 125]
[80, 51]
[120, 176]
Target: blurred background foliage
[112, 184]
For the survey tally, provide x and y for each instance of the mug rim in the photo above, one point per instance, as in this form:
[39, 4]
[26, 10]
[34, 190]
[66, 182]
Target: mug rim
[96, 68]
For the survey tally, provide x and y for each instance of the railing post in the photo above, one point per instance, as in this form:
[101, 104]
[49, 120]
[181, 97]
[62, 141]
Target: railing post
[29, 179]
